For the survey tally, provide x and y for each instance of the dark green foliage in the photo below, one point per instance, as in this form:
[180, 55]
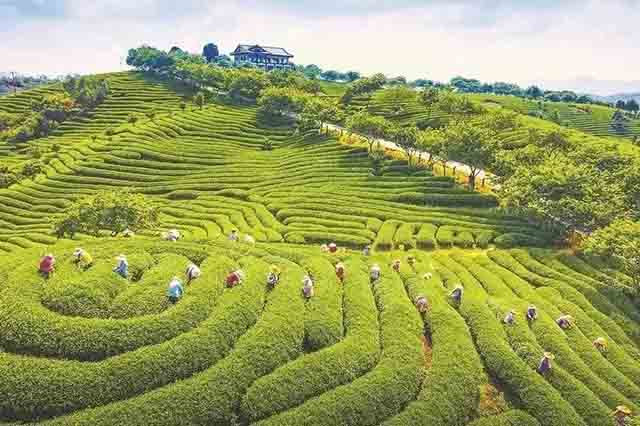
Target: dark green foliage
[108, 211]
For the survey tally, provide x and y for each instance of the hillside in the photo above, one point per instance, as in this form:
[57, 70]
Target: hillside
[87, 347]
[302, 191]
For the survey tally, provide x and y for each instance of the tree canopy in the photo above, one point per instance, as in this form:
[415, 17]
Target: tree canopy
[113, 211]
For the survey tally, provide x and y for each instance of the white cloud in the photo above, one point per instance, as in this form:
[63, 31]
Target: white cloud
[436, 41]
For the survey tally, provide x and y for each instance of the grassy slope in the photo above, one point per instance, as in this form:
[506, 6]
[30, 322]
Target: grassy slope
[593, 119]
[125, 355]
[304, 190]
[218, 353]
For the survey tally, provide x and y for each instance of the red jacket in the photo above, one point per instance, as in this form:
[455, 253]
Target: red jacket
[46, 264]
[232, 280]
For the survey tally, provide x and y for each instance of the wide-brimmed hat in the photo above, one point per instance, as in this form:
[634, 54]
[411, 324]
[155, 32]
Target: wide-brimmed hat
[274, 268]
[121, 257]
[623, 409]
[427, 276]
[549, 355]
[77, 251]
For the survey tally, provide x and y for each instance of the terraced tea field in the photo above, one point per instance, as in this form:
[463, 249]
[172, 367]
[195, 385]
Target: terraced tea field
[91, 348]
[592, 119]
[208, 173]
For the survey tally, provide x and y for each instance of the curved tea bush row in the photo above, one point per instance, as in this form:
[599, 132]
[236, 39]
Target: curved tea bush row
[323, 322]
[575, 352]
[31, 328]
[588, 299]
[540, 398]
[55, 386]
[326, 369]
[383, 391]
[211, 396]
[525, 339]
[509, 418]
[450, 390]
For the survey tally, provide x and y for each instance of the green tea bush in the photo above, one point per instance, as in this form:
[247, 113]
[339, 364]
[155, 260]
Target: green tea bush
[326, 369]
[323, 323]
[426, 238]
[386, 389]
[509, 418]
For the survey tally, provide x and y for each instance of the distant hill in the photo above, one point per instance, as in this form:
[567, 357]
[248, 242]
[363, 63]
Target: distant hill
[612, 99]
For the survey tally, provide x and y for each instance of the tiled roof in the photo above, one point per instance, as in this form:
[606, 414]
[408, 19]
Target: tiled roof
[247, 48]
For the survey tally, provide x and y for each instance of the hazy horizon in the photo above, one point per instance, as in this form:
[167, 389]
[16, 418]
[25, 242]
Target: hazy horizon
[584, 46]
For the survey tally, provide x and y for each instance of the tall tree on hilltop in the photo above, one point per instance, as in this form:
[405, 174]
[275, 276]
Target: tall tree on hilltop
[352, 76]
[210, 52]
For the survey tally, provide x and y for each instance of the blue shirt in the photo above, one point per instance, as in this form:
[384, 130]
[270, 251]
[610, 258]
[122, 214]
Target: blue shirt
[175, 289]
[122, 268]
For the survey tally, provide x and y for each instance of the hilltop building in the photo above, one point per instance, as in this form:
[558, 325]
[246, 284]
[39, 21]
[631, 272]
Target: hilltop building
[263, 56]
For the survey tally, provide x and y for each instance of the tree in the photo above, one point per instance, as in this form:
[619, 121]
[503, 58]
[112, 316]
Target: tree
[88, 91]
[466, 85]
[352, 76]
[632, 105]
[175, 50]
[429, 98]
[312, 71]
[555, 117]
[407, 139]
[554, 142]
[330, 75]
[534, 92]
[246, 84]
[199, 100]
[471, 145]
[621, 104]
[363, 86]
[317, 112]
[370, 126]
[279, 102]
[432, 142]
[210, 52]
[146, 58]
[576, 195]
[619, 244]
[107, 211]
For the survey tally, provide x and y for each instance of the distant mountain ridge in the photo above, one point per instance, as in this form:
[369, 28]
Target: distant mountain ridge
[612, 99]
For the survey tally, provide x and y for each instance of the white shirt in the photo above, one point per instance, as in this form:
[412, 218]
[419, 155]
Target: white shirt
[193, 271]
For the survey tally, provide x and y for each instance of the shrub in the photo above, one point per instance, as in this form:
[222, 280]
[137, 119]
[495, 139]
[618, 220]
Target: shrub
[510, 240]
[426, 238]
[323, 325]
[183, 195]
[509, 418]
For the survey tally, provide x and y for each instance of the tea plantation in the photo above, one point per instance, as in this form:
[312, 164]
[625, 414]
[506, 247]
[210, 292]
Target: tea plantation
[87, 347]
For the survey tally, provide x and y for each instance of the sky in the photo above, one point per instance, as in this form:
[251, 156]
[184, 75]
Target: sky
[584, 45]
